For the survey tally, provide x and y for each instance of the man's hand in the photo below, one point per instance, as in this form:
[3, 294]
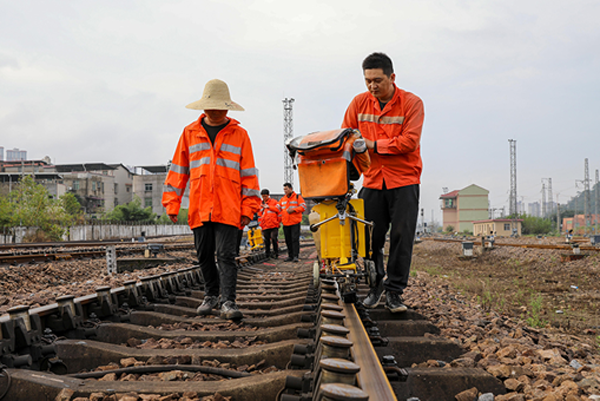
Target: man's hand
[173, 217]
[244, 221]
[291, 209]
[370, 144]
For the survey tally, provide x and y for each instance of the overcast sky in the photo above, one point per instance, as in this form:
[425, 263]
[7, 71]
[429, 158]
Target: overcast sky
[108, 81]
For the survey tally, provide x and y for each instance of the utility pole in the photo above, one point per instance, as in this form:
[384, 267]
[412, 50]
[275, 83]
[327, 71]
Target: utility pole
[557, 214]
[288, 129]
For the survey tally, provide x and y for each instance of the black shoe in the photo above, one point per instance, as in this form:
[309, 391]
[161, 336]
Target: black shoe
[372, 300]
[393, 301]
[288, 259]
[295, 260]
[230, 311]
[208, 305]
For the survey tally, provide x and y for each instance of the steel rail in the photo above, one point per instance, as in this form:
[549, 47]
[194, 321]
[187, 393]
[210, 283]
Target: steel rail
[371, 378]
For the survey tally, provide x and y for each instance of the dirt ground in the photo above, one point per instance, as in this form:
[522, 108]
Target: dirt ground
[531, 284]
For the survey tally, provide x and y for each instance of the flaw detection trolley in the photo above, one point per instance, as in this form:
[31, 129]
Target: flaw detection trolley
[327, 162]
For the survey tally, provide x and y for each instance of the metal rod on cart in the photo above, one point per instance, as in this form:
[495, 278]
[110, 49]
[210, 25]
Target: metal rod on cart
[368, 223]
[315, 227]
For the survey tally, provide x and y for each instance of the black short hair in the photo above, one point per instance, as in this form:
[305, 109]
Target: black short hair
[289, 185]
[265, 192]
[378, 60]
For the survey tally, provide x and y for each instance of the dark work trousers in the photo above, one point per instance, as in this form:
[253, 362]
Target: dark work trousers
[292, 239]
[240, 236]
[270, 235]
[398, 208]
[220, 238]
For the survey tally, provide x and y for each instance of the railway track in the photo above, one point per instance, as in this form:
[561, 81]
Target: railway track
[21, 253]
[296, 342]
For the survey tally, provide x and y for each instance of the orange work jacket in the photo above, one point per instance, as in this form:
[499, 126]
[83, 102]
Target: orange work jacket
[223, 178]
[295, 217]
[397, 132]
[269, 216]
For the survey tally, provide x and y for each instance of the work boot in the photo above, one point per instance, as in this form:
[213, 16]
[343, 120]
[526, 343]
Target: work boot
[208, 305]
[288, 259]
[295, 260]
[372, 300]
[393, 301]
[230, 311]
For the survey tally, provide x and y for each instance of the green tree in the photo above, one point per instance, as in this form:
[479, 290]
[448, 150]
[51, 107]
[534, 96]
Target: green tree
[536, 225]
[71, 206]
[131, 211]
[30, 205]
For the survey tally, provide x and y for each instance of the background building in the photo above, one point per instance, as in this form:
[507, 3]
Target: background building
[498, 227]
[462, 207]
[15, 155]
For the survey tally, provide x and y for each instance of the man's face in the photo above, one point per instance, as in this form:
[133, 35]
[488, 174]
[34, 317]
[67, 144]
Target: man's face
[380, 85]
[287, 190]
[216, 117]
[265, 197]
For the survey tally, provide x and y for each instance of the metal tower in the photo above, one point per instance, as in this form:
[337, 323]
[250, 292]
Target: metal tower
[596, 199]
[588, 206]
[288, 129]
[544, 211]
[512, 202]
[550, 207]
[547, 199]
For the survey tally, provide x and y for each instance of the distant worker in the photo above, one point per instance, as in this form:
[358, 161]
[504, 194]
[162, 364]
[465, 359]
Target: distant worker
[269, 219]
[390, 120]
[291, 206]
[216, 153]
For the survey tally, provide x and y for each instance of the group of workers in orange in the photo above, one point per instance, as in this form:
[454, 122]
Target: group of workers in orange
[287, 211]
[214, 154]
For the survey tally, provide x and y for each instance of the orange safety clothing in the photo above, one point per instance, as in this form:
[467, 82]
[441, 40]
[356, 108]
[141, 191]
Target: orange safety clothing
[223, 178]
[269, 215]
[396, 131]
[295, 216]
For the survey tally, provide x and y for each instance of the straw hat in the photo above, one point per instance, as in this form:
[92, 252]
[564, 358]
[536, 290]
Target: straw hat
[215, 97]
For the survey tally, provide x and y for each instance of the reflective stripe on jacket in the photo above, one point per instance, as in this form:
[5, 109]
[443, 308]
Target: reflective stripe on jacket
[269, 216]
[397, 132]
[223, 177]
[295, 217]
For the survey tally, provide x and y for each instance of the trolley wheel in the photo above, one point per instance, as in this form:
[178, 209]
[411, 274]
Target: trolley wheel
[316, 274]
[371, 272]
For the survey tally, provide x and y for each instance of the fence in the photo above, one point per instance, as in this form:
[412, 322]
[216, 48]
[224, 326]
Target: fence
[96, 232]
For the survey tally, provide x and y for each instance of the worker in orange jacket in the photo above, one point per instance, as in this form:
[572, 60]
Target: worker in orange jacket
[269, 220]
[215, 154]
[291, 206]
[390, 121]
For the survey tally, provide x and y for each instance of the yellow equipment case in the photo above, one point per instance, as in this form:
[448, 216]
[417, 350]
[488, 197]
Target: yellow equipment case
[327, 162]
